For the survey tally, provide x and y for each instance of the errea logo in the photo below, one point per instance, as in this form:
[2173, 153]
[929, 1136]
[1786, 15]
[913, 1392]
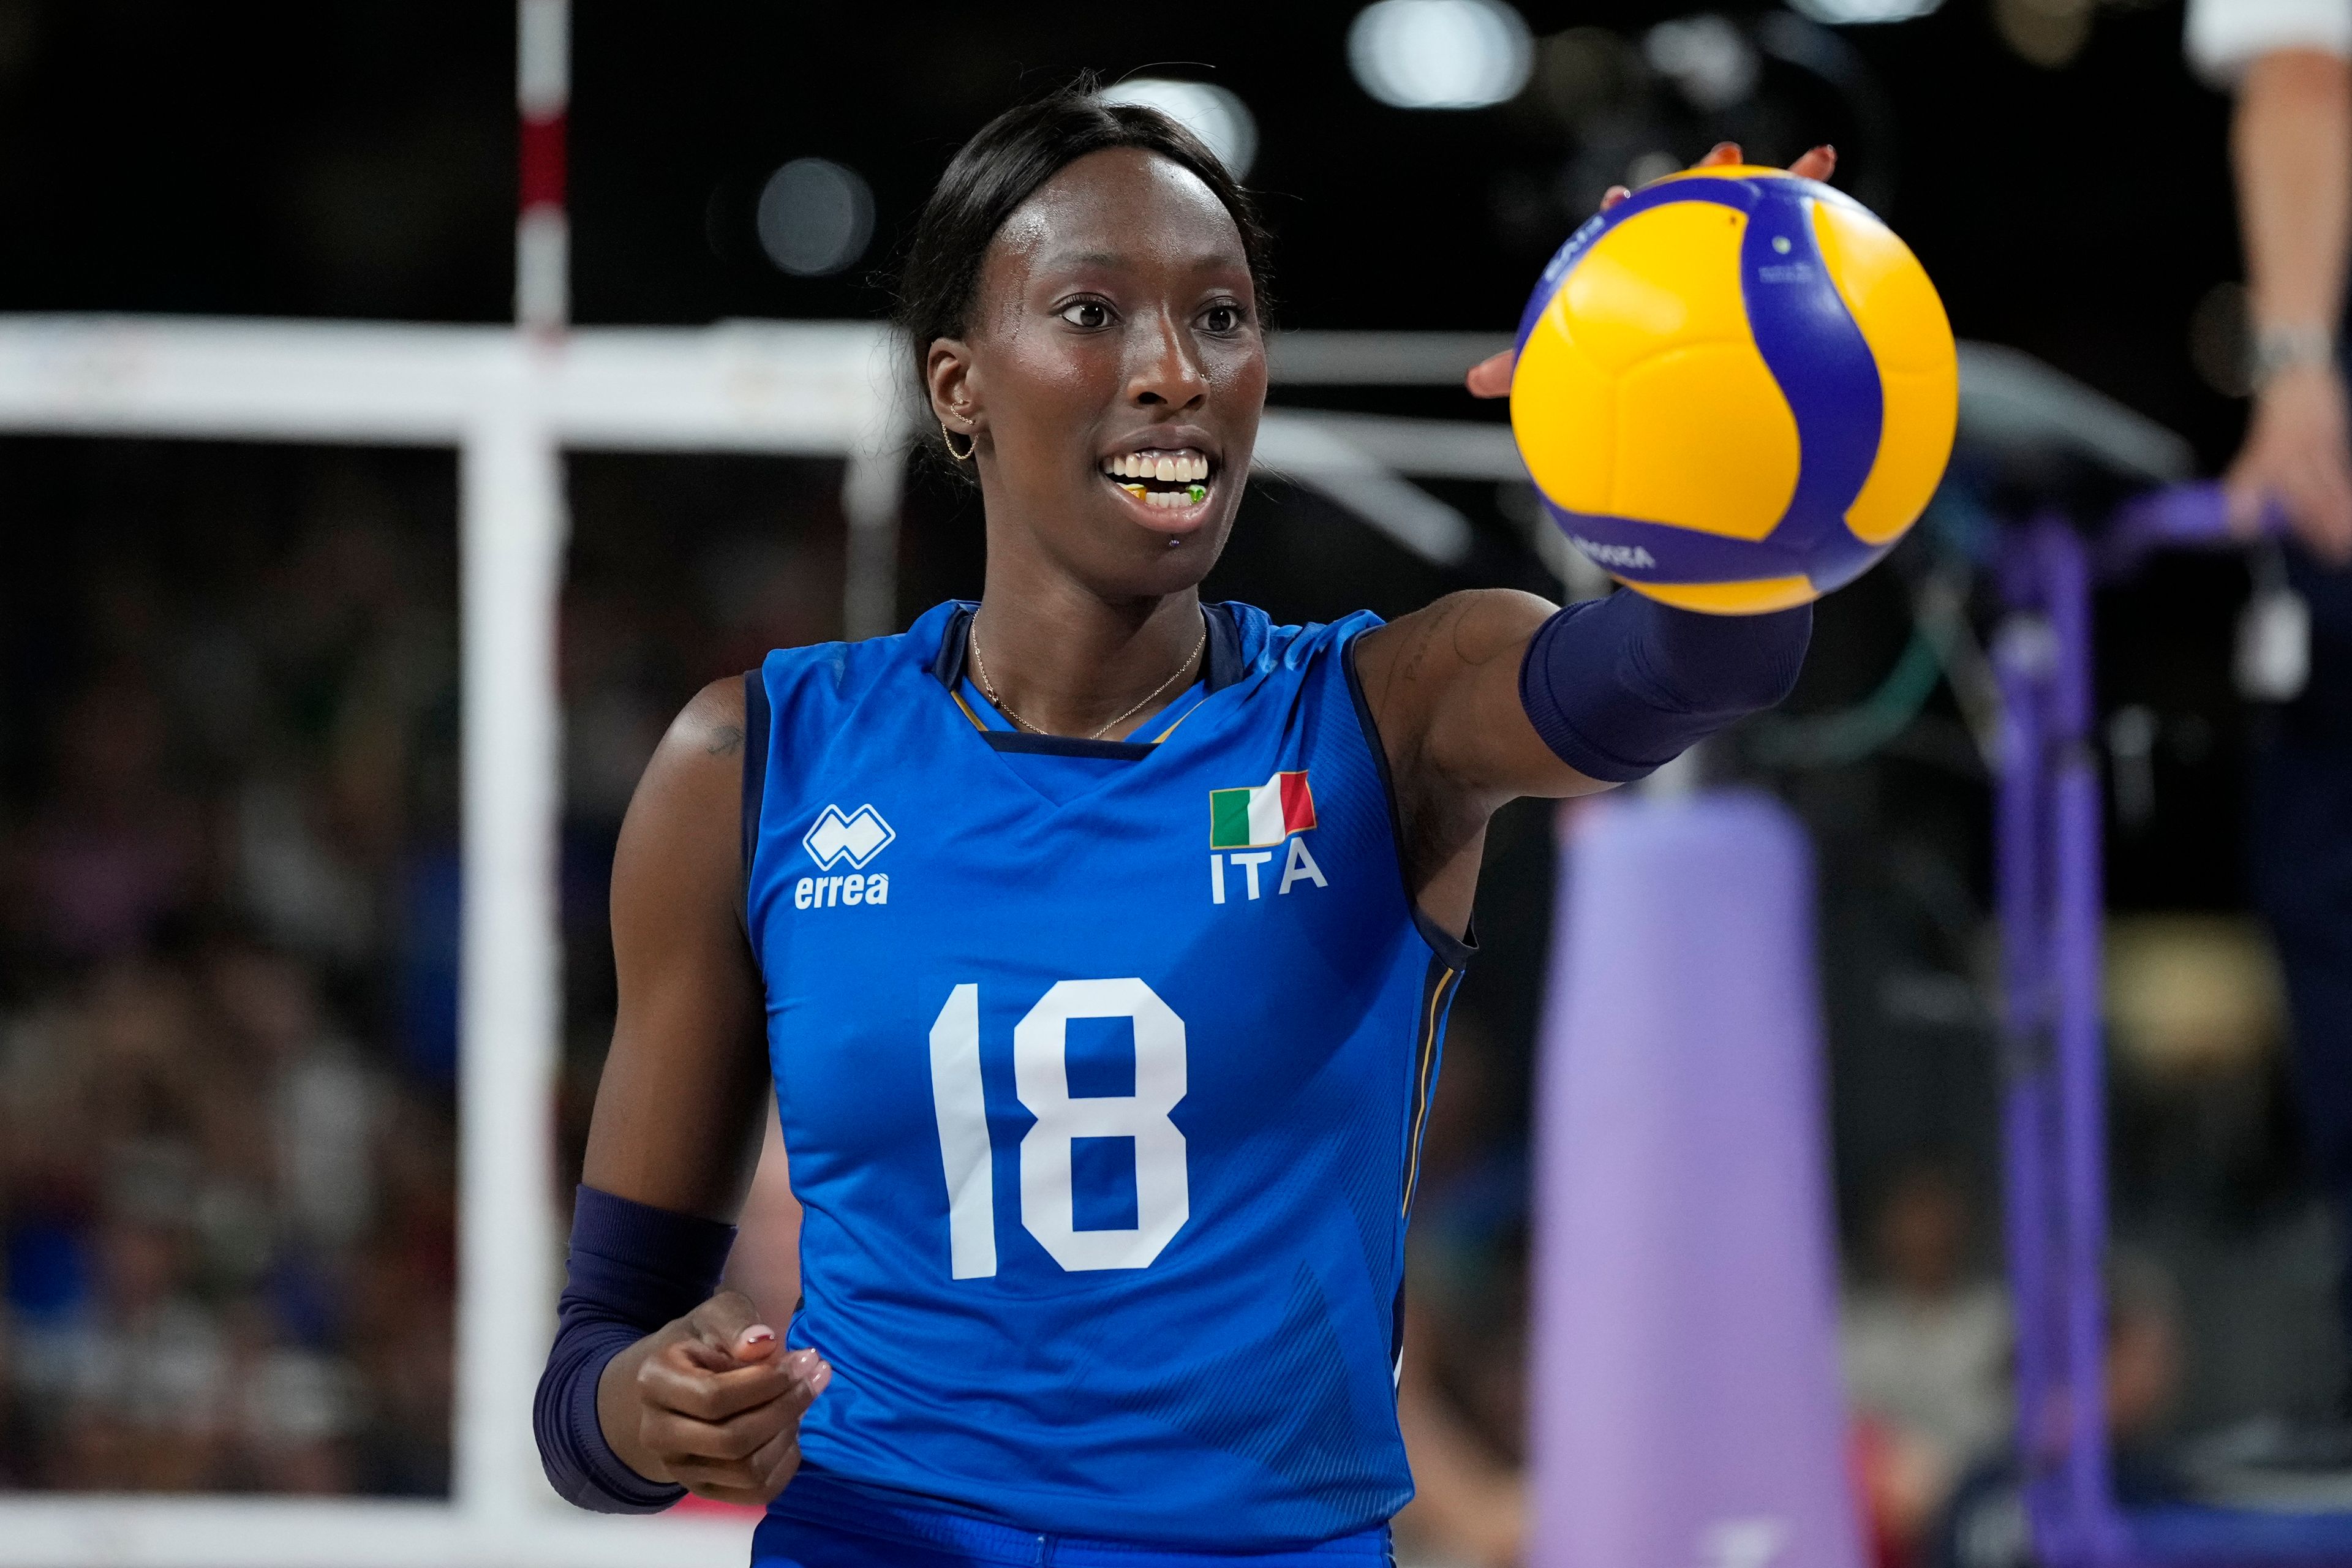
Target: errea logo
[857, 837]
[833, 837]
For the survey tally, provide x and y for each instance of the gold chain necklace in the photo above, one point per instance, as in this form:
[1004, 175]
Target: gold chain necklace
[980, 668]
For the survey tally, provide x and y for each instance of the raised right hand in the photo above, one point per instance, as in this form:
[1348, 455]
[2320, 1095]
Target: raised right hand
[2298, 455]
[711, 1402]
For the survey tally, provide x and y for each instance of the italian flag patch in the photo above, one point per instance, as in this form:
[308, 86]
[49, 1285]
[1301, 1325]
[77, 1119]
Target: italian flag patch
[1261, 817]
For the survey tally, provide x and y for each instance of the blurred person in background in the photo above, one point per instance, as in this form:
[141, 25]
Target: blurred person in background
[2290, 62]
[1927, 1345]
[1985, 1525]
[117, 852]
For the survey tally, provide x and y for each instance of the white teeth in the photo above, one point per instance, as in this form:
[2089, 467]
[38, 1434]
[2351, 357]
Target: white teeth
[1185, 467]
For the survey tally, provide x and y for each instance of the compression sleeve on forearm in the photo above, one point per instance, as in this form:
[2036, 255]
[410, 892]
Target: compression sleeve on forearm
[1619, 687]
[632, 1268]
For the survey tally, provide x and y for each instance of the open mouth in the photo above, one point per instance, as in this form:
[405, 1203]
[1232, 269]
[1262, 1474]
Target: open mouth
[1166, 480]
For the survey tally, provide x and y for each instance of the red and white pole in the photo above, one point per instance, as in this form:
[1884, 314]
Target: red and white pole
[542, 228]
[511, 526]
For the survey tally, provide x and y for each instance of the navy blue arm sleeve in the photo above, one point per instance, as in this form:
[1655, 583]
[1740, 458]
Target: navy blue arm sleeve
[1619, 687]
[632, 1268]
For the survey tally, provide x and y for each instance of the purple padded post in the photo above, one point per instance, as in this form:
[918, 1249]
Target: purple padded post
[1686, 1407]
[2024, 655]
[2077, 929]
[2048, 873]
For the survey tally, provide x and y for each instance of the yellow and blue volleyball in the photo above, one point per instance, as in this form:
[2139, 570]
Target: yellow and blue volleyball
[1736, 389]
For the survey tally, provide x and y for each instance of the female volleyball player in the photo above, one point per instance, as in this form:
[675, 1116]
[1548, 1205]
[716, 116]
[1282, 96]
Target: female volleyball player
[1101, 942]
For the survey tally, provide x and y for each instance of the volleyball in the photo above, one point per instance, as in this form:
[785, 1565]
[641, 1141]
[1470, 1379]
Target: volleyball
[1735, 390]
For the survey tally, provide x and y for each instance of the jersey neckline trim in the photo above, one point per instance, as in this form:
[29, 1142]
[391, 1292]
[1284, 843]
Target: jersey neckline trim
[1067, 745]
[1222, 667]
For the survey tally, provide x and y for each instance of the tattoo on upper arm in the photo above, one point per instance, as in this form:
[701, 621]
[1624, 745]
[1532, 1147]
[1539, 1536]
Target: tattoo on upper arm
[1483, 632]
[1412, 661]
[725, 741]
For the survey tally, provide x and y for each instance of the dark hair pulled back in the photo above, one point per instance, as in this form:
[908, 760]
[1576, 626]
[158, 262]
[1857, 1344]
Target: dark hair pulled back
[1003, 166]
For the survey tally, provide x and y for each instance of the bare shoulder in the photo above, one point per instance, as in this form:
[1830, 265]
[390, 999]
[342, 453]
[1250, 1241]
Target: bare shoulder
[686, 815]
[712, 725]
[1406, 663]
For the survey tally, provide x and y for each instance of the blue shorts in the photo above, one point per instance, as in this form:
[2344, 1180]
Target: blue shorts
[820, 1522]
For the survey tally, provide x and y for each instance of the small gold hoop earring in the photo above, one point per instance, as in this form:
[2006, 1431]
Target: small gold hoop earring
[970, 444]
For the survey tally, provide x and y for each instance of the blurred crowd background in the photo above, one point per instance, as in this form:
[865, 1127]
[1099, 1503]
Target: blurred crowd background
[228, 693]
[227, 978]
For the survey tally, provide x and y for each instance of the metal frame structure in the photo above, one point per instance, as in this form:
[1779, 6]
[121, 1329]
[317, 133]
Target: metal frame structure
[2046, 834]
[2047, 847]
[509, 405]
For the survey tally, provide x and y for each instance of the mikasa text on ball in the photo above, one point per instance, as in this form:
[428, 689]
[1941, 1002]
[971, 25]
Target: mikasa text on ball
[1736, 389]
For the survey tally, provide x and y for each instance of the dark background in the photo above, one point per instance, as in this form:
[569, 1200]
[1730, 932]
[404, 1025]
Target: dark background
[358, 160]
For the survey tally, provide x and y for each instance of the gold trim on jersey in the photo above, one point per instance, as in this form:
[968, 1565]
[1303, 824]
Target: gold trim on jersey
[1426, 1069]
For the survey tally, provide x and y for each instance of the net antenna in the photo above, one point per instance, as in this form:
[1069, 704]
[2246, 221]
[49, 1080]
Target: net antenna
[543, 226]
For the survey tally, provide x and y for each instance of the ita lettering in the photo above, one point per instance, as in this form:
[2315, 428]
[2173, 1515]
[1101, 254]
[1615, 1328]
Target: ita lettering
[1248, 877]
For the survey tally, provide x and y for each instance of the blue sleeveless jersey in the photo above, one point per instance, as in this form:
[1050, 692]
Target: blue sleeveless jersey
[1103, 1093]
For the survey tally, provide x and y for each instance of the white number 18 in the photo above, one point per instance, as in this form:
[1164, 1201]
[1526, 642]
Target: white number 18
[1041, 1078]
